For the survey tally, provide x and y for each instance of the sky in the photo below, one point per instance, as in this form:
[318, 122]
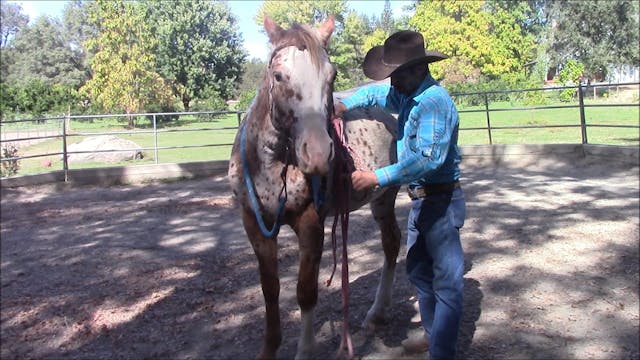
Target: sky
[255, 42]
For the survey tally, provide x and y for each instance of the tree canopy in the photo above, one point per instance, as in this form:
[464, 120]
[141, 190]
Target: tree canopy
[199, 48]
[144, 55]
[123, 65]
[598, 34]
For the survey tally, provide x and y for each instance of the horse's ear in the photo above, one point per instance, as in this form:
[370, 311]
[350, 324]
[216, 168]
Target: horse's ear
[326, 29]
[273, 30]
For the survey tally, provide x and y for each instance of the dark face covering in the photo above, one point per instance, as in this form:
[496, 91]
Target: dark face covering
[407, 80]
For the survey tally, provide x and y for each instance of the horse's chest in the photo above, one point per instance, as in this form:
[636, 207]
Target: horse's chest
[269, 187]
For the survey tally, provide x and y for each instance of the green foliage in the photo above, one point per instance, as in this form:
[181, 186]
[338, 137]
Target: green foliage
[40, 52]
[38, 99]
[245, 99]
[286, 13]
[570, 74]
[598, 34]
[13, 20]
[199, 49]
[9, 167]
[347, 51]
[123, 66]
[481, 37]
[253, 72]
[497, 89]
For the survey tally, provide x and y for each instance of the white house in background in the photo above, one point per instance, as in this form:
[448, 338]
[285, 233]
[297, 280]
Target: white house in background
[623, 74]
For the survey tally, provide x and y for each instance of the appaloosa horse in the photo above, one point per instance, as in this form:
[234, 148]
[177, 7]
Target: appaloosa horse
[281, 167]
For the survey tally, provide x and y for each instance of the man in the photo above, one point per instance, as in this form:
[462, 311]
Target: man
[428, 159]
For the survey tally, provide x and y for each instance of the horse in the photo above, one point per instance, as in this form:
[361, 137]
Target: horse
[281, 165]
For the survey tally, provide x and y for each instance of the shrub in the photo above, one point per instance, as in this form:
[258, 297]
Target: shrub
[9, 167]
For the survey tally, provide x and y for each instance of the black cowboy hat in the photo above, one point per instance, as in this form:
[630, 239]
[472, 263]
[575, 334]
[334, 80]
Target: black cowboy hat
[403, 48]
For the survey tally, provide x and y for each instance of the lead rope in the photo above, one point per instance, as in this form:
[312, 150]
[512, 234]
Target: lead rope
[253, 197]
[342, 192]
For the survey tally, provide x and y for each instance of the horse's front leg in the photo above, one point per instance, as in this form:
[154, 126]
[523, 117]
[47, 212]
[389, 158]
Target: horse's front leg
[383, 210]
[266, 250]
[309, 228]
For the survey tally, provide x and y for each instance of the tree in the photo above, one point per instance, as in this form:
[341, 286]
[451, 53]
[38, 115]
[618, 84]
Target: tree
[475, 35]
[39, 52]
[386, 22]
[285, 13]
[199, 48]
[123, 67]
[12, 21]
[599, 34]
[348, 51]
[253, 72]
[77, 30]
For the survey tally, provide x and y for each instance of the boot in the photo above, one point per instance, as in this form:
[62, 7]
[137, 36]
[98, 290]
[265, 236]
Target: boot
[416, 344]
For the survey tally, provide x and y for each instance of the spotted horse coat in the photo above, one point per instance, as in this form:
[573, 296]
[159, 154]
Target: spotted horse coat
[283, 143]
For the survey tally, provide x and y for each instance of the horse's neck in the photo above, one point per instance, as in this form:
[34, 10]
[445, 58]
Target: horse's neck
[270, 145]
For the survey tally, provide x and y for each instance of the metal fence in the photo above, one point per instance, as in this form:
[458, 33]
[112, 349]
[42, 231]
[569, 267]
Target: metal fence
[44, 129]
[580, 91]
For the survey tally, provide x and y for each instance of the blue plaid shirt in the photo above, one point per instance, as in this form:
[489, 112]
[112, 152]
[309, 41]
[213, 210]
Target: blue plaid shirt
[427, 142]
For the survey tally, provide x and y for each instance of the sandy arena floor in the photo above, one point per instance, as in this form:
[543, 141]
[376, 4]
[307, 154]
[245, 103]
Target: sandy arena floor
[165, 271]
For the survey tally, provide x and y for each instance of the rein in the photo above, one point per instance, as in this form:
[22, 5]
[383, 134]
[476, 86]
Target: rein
[342, 192]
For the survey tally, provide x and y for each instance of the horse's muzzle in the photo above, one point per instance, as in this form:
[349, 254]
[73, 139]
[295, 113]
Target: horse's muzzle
[314, 150]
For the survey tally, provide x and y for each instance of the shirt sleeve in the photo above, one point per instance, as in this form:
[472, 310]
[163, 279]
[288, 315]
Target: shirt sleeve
[381, 95]
[429, 131]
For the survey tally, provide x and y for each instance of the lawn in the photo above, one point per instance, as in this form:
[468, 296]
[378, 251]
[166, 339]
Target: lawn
[214, 134]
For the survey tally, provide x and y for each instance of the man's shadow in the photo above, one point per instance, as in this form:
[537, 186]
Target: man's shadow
[471, 313]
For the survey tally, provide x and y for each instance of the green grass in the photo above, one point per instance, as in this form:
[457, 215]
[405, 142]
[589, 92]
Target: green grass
[550, 117]
[222, 129]
[166, 137]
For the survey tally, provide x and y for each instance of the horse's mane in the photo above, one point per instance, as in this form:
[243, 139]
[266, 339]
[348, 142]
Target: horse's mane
[303, 37]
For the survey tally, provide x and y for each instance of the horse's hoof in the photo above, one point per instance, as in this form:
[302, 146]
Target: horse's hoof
[265, 355]
[372, 321]
[304, 355]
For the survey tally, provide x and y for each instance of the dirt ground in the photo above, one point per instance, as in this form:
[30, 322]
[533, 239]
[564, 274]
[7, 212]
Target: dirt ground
[164, 271]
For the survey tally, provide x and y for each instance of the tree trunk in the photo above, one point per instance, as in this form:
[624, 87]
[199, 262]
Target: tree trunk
[185, 102]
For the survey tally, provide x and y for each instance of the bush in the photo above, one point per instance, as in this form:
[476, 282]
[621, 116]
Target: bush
[9, 167]
[161, 108]
[245, 99]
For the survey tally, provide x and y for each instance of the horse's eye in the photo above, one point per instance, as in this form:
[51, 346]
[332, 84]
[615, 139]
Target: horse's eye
[277, 75]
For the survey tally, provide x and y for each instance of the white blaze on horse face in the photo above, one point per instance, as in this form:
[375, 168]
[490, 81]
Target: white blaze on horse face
[309, 103]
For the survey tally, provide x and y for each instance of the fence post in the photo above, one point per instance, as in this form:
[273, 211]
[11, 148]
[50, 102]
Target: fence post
[583, 122]
[486, 110]
[65, 160]
[239, 114]
[155, 139]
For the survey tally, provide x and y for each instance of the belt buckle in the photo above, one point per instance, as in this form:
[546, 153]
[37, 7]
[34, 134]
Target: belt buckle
[417, 192]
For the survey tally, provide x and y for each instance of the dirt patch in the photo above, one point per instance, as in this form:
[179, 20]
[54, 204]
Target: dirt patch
[165, 271]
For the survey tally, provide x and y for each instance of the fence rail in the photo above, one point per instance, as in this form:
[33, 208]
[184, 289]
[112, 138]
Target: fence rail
[12, 134]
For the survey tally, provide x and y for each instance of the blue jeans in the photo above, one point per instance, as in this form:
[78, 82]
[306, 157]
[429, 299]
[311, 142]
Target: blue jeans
[435, 266]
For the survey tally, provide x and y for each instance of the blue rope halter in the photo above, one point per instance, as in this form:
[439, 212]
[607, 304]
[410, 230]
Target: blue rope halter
[318, 197]
[316, 185]
[252, 192]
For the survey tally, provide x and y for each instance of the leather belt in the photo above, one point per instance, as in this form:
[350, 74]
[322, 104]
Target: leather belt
[422, 191]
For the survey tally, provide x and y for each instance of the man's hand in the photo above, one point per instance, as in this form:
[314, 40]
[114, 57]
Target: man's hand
[363, 179]
[339, 109]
